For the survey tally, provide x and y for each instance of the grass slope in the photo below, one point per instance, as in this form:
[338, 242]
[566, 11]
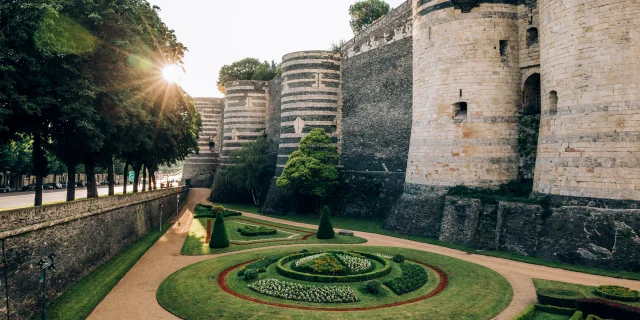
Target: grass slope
[372, 225]
[79, 301]
[195, 243]
[474, 292]
[562, 288]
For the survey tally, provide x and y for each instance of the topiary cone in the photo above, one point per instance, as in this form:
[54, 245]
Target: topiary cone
[325, 230]
[219, 238]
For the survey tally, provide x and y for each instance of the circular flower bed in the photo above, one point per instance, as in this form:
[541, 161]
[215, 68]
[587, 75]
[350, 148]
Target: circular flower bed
[333, 266]
[617, 293]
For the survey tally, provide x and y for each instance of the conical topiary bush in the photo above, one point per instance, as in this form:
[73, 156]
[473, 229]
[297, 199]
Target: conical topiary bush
[219, 238]
[325, 230]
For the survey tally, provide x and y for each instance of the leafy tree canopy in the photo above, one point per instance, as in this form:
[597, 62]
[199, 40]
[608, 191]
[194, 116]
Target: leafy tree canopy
[366, 12]
[251, 168]
[248, 69]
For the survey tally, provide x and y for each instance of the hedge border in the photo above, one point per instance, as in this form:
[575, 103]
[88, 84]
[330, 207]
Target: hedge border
[527, 314]
[290, 273]
[530, 311]
[268, 232]
[444, 282]
[610, 296]
[607, 308]
[545, 298]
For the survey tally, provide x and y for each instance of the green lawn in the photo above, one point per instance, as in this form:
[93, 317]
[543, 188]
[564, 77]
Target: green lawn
[196, 244]
[79, 301]
[474, 292]
[373, 225]
[571, 290]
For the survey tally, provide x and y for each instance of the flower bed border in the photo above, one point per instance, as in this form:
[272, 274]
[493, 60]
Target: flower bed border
[297, 275]
[444, 282]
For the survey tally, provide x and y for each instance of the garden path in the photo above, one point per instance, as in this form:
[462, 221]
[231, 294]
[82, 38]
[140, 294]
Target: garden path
[134, 297]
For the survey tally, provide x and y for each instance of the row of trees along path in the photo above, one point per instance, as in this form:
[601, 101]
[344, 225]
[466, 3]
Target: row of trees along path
[82, 80]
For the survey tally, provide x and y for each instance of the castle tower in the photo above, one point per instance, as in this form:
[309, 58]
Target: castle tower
[465, 93]
[200, 168]
[589, 142]
[311, 99]
[245, 107]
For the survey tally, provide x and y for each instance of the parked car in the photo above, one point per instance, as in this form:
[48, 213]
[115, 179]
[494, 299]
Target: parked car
[52, 185]
[30, 187]
[104, 183]
[4, 189]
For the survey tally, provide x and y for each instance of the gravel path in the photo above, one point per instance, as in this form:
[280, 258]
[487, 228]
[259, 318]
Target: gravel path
[134, 297]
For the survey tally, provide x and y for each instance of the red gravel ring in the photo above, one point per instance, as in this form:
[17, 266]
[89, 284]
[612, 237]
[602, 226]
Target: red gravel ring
[208, 231]
[444, 281]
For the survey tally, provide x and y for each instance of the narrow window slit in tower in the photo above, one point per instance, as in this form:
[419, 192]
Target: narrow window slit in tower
[460, 111]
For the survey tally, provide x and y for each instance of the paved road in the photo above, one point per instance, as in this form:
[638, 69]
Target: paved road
[25, 198]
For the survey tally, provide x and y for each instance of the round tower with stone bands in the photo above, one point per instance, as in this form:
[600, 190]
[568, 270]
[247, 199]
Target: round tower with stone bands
[311, 99]
[589, 144]
[465, 93]
[244, 118]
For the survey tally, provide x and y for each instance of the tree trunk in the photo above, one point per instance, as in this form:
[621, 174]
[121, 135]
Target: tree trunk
[71, 182]
[126, 178]
[144, 179]
[90, 171]
[136, 178]
[39, 167]
[110, 177]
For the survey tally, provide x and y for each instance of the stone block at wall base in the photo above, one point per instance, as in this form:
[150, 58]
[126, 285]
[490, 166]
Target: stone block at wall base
[278, 201]
[369, 194]
[202, 180]
[518, 227]
[468, 222]
[417, 212]
[601, 238]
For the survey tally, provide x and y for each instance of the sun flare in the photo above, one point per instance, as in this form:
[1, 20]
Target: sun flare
[173, 73]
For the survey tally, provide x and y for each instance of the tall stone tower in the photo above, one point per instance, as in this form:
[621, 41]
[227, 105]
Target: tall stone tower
[245, 118]
[200, 168]
[310, 99]
[465, 93]
[589, 142]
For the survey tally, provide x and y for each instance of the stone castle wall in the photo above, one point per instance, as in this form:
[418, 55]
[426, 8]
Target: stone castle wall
[200, 168]
[84, 235]
[590, 128]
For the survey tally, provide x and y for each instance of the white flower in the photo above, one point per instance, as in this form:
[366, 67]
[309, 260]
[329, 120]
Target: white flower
[308, 293]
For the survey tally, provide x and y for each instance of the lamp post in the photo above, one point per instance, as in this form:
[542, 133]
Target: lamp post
[44, 266]
[161, 205]
[177, 203]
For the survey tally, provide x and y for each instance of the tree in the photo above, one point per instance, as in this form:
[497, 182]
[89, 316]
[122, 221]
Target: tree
[251, 168]
[325, 229]
[219, 238]
[248, 69]
[311, 169]
[366, 12]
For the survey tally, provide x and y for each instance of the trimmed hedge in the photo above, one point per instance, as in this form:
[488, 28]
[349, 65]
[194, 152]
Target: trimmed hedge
[593, 317]
[205, 211]
[560, 298]
[617, 293]
[290, 273]
[607, 309]
[413, 278]
[219, 237]
[252, 231]
[556, 310]
[576, 316]
[260, 265]
[527, 314]
[325, 230]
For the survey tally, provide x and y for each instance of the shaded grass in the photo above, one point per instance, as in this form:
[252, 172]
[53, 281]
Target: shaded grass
[569, 290]
[373, 225]
[79, 301]
[195, 243]
[474, 292]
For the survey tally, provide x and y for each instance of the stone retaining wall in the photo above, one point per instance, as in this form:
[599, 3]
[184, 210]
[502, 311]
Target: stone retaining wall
[83, 235]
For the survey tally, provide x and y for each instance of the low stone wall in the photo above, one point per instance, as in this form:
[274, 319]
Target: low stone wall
[607, 238]
[83, 234]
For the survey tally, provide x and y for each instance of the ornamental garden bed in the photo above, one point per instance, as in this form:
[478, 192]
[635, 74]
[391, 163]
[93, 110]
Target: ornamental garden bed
[228, 287]
[197, 241]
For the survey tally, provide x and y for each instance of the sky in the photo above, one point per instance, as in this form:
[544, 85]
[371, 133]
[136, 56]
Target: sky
[219, 32]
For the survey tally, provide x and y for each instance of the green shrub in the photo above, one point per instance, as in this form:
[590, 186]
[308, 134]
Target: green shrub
[219, 237]
[207, 211]
[261, 265]
[617, 293]
[304, 250]
[253, 231]
[556, 309]
[576, 316]
[372, 286]
[527, 314]
[217, 209]
[325, 230]
[558, 297]
[413, 277]
[250, 274]
[398, 258]
[593, 317]
[231, 213]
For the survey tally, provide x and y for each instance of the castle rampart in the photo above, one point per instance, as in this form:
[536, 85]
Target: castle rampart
[200, 168]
